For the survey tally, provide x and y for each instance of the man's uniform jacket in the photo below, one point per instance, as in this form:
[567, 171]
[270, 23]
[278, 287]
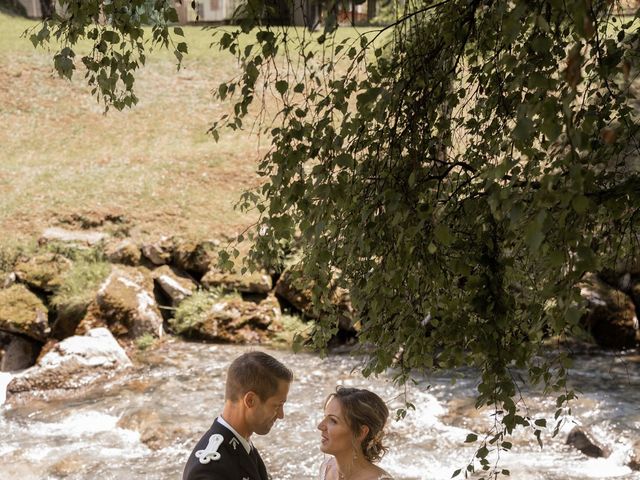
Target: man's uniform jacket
[219, 455]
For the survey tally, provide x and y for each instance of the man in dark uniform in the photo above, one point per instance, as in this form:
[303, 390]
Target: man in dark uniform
[256, 391]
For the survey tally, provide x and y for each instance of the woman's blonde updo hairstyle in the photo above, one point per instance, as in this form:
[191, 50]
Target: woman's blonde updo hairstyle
[362, 407]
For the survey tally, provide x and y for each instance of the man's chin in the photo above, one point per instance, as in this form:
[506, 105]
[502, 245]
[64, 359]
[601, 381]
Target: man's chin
[264, 431]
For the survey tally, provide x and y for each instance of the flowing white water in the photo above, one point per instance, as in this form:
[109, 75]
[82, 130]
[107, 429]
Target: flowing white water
[181, 390]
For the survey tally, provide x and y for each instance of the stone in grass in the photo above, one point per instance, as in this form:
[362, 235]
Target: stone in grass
[256, 282]
[22, 312]
[125, 251]
[43, 272]
[84, 237]
[159, 252]
[174, 284]
[195, 257]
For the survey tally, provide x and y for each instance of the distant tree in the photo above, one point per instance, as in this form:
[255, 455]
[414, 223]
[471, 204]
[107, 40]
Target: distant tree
[458, 170]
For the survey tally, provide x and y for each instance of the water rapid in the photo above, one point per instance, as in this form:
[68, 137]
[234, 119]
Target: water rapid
[179, 391]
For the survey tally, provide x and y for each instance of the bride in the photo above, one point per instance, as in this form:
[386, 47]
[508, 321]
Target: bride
[351, 432]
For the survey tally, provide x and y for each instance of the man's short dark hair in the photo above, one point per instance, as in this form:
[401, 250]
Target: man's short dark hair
[255, 372]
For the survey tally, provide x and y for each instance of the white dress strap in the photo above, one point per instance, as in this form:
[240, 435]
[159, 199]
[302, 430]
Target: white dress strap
[323, 469]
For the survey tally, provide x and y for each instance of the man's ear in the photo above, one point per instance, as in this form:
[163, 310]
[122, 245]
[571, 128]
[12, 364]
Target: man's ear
[249, 399]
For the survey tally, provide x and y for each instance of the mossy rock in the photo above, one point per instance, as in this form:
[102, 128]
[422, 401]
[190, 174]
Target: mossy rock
[23, 312]
[44, 272]
[256, 282]
[611, 315]
[126, 304]
[195, 257]
[228, 319]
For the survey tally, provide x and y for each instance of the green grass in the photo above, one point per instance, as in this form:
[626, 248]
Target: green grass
[194, 310]
[80, 284]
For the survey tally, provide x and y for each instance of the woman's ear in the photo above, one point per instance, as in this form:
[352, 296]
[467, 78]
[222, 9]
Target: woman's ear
[364, 431]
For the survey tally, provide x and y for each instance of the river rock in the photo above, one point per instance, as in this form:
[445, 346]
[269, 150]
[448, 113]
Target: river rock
[237, 321]
[634, 457]
[125, 251]
[297, 291]
[154, 433]
[611, 316]
[581, 440]
[67, 319]
[195, 257]
[73, 363]
[294, 290]
[256, 282]
[176, 285]
[634, 291]
[159, 252]
[22, 312]
[69, 466]
[43, 272]
[20, 353]
[126, 305]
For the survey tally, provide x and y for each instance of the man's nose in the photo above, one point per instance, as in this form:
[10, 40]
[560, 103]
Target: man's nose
[281, 412]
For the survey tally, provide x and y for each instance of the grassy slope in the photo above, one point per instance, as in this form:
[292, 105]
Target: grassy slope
[154, 164]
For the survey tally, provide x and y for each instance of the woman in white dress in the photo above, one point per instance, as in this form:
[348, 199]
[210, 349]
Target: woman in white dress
[351, 432]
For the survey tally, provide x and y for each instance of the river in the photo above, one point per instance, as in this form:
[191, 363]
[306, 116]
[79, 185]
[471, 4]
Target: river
[180, 387]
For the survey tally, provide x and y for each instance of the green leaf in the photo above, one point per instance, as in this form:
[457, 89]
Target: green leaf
[580, 203]
[443, 234]
[472, 437]
[282, 86]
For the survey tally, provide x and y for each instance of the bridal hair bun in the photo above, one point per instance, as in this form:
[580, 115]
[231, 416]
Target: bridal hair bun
[374, 450]
[363, 408]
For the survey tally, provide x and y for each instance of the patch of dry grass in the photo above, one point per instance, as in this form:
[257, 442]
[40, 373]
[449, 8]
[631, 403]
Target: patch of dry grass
[153, 165]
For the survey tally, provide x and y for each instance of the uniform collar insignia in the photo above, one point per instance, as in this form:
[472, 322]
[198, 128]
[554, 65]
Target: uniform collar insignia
[234, 443]
[211, 451]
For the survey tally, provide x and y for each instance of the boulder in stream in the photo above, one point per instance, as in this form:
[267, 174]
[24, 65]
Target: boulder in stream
[611, 316]
[296, 291]
[73, 363]
[582, 440]
[634, 458]
[154, 432]
[20, 353]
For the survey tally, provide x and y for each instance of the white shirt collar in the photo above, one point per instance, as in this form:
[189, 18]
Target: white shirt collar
[245, 443]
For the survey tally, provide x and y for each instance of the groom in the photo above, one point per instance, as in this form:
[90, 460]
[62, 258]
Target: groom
[256, 391]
